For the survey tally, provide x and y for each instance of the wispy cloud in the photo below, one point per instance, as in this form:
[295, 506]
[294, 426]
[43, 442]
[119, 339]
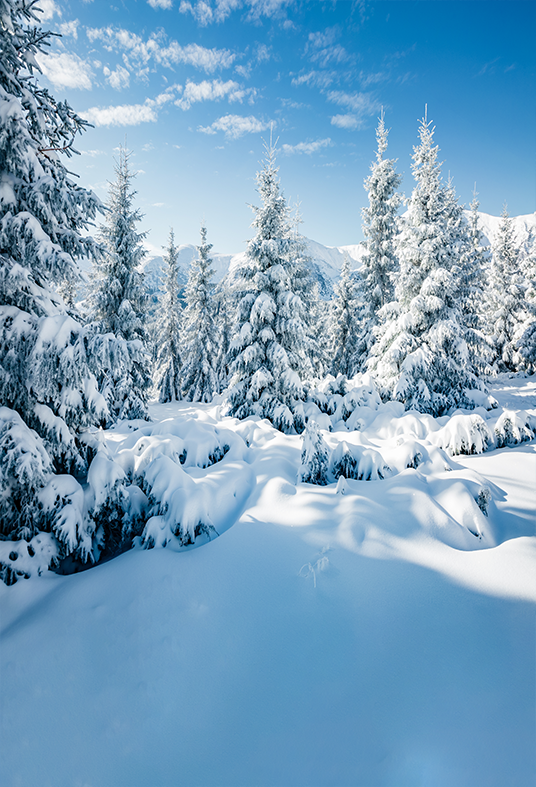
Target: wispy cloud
[129, 114]
[139, 53]
[65, 70]
[346, 121]
[206, 12]
[362, 106]
[118, 79]
[214, 90]
[70, 28]
[123, 115]
[321, 79]
[235, 126]
[323, 50]
[165, 4]
[47, 9]
[307, 147]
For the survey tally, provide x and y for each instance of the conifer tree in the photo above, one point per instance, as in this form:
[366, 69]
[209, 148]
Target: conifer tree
[380, 227]
[48, 395]
[270, 357]
[421, 357]
[223, 311]
[118, 302]
[199, 335]
[168, 377]
[344, 324]
[506, 302]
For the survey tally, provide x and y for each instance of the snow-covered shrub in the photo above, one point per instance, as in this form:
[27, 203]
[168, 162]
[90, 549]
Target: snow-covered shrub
[358, 462]
[512, 428]
[23, 559]
[464, 434]
[314, 457]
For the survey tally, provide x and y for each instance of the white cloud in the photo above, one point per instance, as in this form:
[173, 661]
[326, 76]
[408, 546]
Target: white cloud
[346, 121]
[92, 153]
[65, 70]
[321, 79]
[48, 9]
[139, 52]
[361, 104]
[70, 28]
[130, 114]
[235, 126]
[165, 4]
[205, 12]
[331, 54]
[117, 79]
[123, 115]
[372, 79]
[212, 91]
[307, 147]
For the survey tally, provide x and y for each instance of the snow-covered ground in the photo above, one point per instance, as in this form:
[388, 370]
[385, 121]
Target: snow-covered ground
[372, 633]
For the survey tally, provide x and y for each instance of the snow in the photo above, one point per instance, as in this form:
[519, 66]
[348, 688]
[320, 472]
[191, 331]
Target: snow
[362, 633]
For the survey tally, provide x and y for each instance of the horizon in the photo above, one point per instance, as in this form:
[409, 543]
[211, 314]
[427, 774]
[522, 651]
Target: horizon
[193, 88]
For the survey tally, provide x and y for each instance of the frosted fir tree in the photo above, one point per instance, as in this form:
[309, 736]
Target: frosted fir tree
[223, 311]
[199, 334]
[48, 395]
[474, 271]
[118, 301]
[168, 365]
[421, 357]
[314, 456]
[270, 355]
[526, 343]
[304, 284]
[506, 306]
[345, 323]
[380, 228]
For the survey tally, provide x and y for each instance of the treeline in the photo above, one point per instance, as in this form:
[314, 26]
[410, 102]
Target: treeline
[429, 315]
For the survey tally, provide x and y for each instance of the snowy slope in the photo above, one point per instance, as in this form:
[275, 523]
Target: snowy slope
[354, 634]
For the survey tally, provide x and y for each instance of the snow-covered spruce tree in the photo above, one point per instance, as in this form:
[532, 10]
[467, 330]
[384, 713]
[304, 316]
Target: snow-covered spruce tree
[380, 227]
[345, 324]
[48, 395]
[223, 310]
[270, 358]
[474, 271]
[199, 335]
[421, 356]
[168, 367]
[314, 456]
[526, 344]
[118, 302]
[506, 305]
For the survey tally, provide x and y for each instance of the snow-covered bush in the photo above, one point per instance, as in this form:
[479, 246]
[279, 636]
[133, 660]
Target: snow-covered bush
[464, 434]
[358, 462]
[314, 456]
[512, 428]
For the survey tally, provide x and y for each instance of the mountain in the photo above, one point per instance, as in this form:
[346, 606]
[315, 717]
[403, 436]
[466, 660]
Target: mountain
[326, 261]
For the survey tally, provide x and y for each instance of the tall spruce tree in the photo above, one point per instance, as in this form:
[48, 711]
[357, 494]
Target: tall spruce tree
[168, 365]
[380, 227]
[118, 302]
[506, 305]
[270, 358]
[48, 395]
[421, 357]
[199, 334]
[345, 323]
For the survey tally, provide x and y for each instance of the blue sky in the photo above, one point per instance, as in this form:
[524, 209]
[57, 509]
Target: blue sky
[194, 85]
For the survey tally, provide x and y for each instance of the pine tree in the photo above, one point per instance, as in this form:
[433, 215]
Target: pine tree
[344, 324]
[421, 357]
[270, 357]
[380, 227]
[118, 302]
[223, 310]
[199, 335]
[506, 305]
[48, 395]
[168, 377]
[474, 271]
